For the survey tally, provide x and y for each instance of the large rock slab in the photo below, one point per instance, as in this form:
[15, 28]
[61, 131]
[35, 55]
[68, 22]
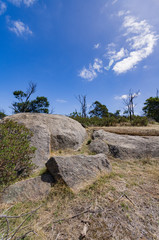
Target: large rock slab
[31, 189]
[51, 132]
[126, 147]
[78, 171]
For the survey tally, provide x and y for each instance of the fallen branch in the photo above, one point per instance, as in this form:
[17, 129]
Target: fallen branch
[74, 216]
[22, 215]
[124, 195]
[8, 235]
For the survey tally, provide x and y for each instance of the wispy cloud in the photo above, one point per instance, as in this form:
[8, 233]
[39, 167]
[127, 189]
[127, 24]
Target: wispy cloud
[96, 46]
[18, 27]
[126, 96]
[28, 3]
[138, 42]
[116, 56]
[141, 40]
[122, 97]
[3, 7]
[92, 71]
[61, 101]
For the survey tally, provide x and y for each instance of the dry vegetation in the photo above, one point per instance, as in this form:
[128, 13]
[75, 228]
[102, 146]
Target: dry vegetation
[122, 205]
[150, 130]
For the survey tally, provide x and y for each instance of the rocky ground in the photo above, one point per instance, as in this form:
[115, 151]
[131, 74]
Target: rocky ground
[122, 204]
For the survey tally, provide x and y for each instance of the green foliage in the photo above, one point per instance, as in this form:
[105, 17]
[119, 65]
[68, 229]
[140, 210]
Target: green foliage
[15, 151]
[139, 121]
[24, 104]
[117, 113]
[109, 121]
[2, 114]
[95, 121]
[99, 110]
[151, 108]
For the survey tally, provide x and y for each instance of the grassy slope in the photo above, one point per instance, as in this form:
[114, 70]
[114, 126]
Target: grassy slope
[121, 205]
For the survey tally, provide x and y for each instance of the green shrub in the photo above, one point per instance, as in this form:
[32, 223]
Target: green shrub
[15, 151]
[96, 121]
[139, 121]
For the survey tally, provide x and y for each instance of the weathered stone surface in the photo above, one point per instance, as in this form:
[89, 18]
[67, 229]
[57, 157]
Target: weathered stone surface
[98, 146]
[78, 171]
[51, 132]
[30, 189]
[125, 146]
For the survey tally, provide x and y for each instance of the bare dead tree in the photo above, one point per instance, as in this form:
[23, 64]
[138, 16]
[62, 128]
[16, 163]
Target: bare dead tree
[83, 102]
[129, 102]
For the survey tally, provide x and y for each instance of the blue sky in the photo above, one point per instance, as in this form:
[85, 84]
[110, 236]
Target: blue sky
[98, 48]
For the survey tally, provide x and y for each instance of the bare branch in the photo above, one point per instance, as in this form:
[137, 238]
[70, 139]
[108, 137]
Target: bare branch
[83, 102]
[31, 90]
[29, 214]
[22, 215]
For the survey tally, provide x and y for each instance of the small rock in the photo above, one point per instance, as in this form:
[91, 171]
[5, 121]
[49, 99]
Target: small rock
[98, 146]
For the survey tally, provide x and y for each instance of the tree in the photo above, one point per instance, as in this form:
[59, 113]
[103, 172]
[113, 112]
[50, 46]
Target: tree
[129, 102]
[83, 102]
[117, 113]
[151, 108]
[2, 114]
[99, 110]
[24, 104]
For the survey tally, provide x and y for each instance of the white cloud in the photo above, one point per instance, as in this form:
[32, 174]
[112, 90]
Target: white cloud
[123, 97]
[96, 46]
[18, 27]
[139, 43]
[122, 13]
[126, 96]
[3, 7]
[28, 3]
[91, 72]
[97, 65]
[61, 101]
[141, 40]
[115, 56]
[110, 64]
[88, 74]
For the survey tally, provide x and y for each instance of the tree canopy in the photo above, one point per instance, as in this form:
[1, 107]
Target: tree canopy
[2, 114]
[151, 108]
[99, 110]
[24, 104]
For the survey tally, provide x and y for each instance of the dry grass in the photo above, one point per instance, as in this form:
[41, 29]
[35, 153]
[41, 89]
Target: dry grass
[150, 130]
[121, 205]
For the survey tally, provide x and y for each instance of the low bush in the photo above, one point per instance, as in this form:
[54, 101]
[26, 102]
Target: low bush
[139, 121]
[15, 151]
[110, 121]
